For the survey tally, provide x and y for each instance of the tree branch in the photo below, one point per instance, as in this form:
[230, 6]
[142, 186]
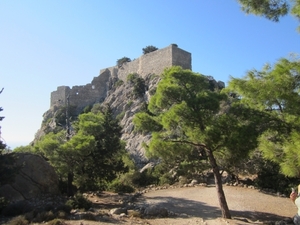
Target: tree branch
[188, 142]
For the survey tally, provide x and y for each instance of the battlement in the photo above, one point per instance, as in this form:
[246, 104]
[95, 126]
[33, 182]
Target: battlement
[96, 91]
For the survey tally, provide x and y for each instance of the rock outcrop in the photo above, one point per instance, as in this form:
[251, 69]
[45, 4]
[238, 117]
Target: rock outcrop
[113, 88]
[35, 178]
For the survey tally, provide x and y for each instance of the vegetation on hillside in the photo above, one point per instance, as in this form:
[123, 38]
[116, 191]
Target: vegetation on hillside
[139, 87]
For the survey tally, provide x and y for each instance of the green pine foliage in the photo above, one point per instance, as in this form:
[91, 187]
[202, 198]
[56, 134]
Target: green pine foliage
[138, 84]
[274, 91]
[148, 49]
[92, 157]
[271, 9]
[122, 61]
[188, 117]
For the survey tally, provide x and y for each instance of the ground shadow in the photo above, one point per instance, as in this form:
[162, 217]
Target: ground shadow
[200, 209]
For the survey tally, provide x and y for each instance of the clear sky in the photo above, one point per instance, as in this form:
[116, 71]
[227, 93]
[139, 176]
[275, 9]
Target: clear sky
[50, 43]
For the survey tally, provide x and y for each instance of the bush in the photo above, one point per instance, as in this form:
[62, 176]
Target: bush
[269, 174]
[119, 187]
[119, 83]
[148, 49]
[120, 116]
[132, 77]
[20, 220]
[129, 103]
[60, 116]
[79, 202]
[123, 60]
[145, 178]
[139, 84]
[166, 179]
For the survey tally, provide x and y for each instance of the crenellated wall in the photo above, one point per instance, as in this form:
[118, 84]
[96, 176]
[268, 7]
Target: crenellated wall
[151, 63]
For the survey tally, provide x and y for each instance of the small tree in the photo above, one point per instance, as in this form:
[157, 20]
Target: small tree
[186, 117]
[148, 49]
[139, 84]
[123, 60]
[92, 157]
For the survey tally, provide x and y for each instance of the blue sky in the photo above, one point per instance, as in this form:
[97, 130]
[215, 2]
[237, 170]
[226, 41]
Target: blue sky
[45, 44]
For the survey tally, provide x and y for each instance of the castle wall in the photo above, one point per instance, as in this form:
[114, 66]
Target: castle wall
[96, 91]
[83, 95]
[181, 58]
[155, 62]
[59, 96]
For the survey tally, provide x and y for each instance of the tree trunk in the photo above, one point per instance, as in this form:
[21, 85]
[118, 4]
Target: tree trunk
[70, 184]
[218, 181]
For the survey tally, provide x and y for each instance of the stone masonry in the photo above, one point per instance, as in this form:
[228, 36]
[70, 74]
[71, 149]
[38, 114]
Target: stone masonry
[96, 91]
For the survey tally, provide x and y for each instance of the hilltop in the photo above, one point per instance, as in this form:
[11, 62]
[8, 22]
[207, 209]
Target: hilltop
[125, 88]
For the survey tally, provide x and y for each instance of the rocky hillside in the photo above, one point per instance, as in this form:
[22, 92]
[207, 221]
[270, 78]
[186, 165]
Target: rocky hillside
[126, 98]
[125, 101]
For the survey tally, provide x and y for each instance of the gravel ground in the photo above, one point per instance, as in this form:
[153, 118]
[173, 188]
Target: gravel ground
[247, 206]
[199, 205]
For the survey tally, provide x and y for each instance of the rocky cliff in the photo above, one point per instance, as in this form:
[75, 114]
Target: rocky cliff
[112, 87]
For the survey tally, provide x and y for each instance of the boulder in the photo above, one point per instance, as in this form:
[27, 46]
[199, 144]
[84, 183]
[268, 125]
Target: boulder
[35, 178]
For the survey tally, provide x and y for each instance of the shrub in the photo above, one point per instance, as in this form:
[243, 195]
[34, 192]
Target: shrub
[139, 87]
[166, 179]
[120, 116]
[119, 83]
[20, 220]
[87, 109]
[61, 215]
[60, 116]
[129, 103]
[269, 174]
[139, 84]
[79, 202]
[117, 187]
[123, 60]
[148, 49]
[145, 178]
[132, 77]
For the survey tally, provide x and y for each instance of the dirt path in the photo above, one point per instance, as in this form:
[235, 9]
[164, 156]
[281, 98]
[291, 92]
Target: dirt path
[202, 202]
[199, 205]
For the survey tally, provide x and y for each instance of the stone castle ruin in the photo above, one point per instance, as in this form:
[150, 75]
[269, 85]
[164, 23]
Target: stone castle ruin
[96, 91]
